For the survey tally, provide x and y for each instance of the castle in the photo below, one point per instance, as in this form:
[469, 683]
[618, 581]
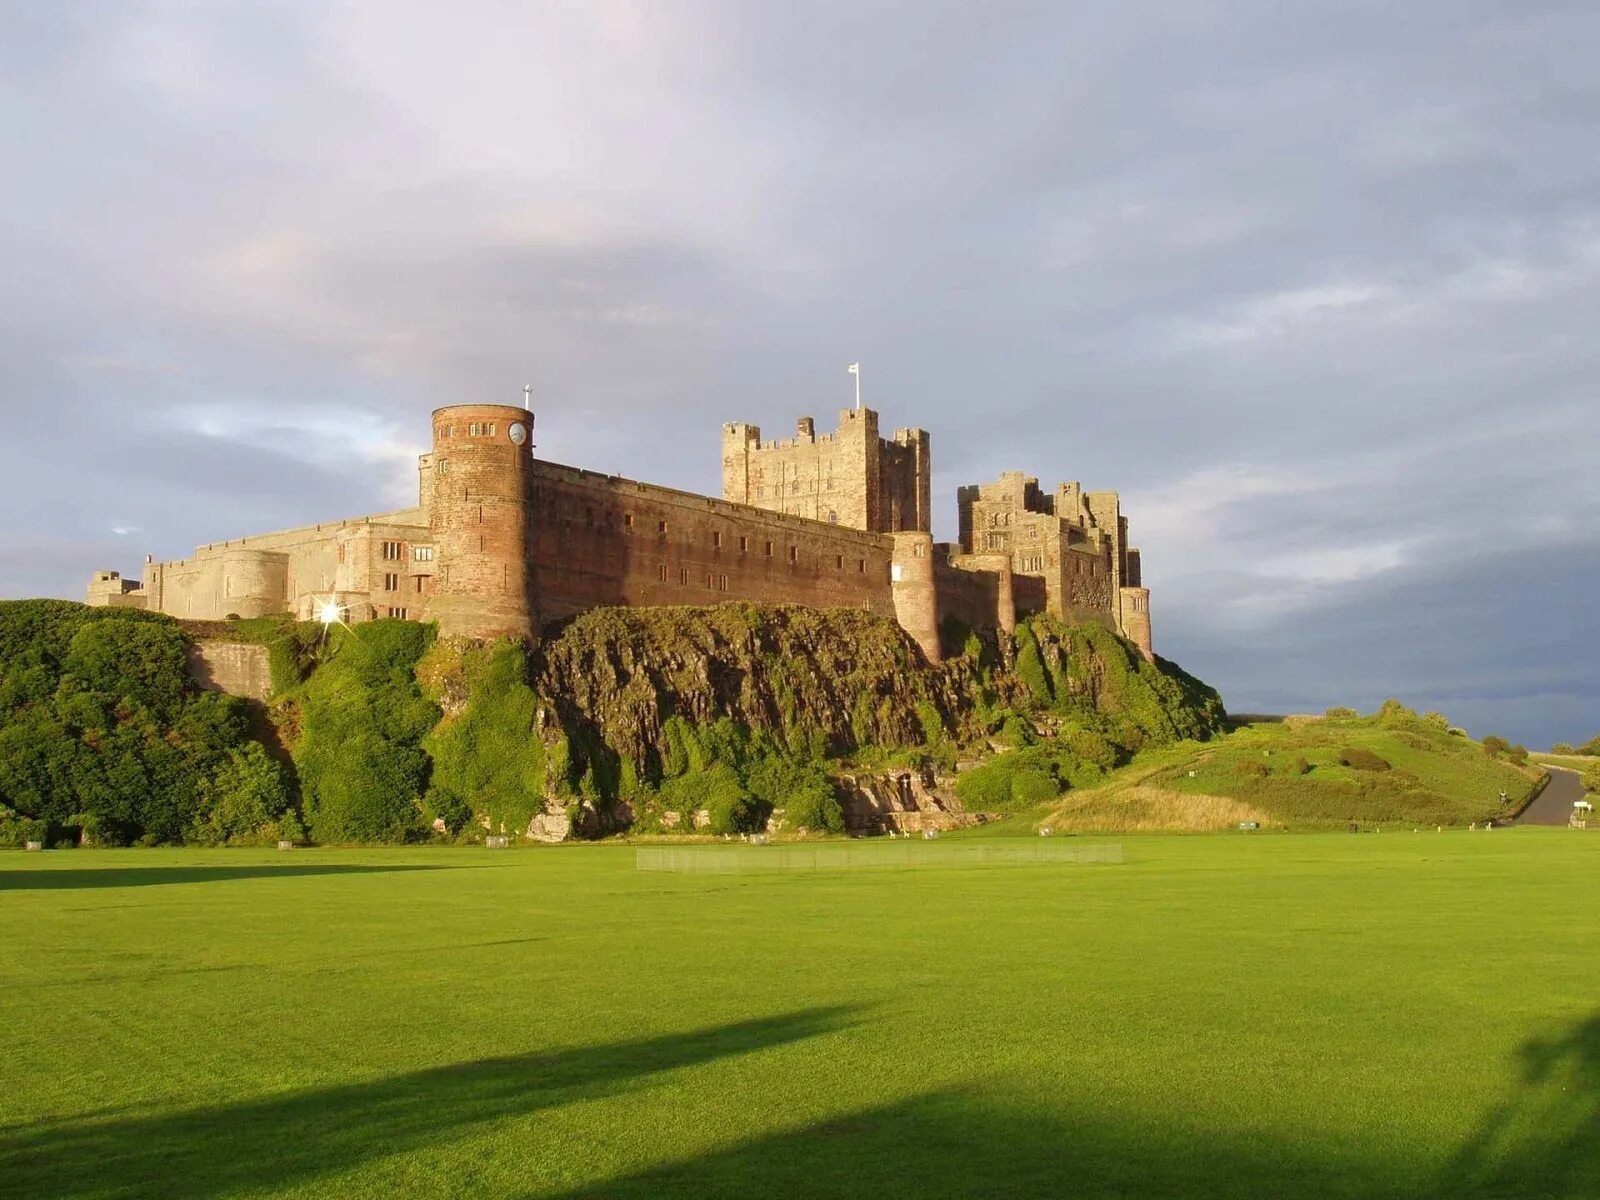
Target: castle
[501, 541]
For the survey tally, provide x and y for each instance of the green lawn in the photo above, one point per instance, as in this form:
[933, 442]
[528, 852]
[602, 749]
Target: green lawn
[1247, 1015]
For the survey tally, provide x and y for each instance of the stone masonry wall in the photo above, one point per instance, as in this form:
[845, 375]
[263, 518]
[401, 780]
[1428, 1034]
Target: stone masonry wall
[603, 540]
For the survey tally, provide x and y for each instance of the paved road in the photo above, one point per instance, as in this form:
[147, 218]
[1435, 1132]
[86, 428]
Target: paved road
[1553, 806]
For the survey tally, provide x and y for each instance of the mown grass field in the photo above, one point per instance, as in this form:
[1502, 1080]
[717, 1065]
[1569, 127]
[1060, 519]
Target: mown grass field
[1246, 1015]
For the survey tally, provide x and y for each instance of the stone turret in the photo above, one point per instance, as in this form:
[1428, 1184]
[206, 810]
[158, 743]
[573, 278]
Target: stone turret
[481, 516]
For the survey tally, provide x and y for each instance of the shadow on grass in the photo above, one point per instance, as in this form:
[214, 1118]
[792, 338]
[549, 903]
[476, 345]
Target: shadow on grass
[955, 1145]
[1543, 1141]
[282, 1141]
[119, 877]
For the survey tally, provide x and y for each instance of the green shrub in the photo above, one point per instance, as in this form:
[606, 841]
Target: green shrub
[718, 792]
[1008, 782]
[1250, 767]
[362, 767]
[1341, 713]
[1359, 759]
[1030, 667]
[1300, 766]
[1563, 748]
[100, 721]
[1591, 778]
[243, 801]
[488, 758]
[1494, 745]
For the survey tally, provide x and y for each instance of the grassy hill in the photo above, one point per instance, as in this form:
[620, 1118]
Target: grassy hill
[1390, 768]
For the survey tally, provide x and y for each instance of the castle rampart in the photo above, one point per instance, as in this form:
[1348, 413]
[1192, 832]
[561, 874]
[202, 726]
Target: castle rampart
[502, 541]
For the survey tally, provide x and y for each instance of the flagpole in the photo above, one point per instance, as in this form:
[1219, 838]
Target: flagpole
[855, 369]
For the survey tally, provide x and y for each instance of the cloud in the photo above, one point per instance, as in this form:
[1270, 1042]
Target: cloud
[1310, 286]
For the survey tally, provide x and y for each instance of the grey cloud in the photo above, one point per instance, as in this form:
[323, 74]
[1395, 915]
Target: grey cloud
[1352, 246]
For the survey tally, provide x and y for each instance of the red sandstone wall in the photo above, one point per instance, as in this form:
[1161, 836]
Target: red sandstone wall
[599, 540]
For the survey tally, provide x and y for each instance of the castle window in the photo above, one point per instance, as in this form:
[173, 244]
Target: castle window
[744, 544]
[422, 553]
[627, 521]
[490, 429]
[472, 429]
[393, 552]
[833, 517]
[661, 526]
[661, 572]
[838, 562]
[683, 576]
[442, 466]
[794, 554]
[397, 612]
[769, 549]
[391, 583]
[716, 540]
[421, 582]
[916, 551]
[995, 541]
[340, 555]
[722, 583]
[861, 566]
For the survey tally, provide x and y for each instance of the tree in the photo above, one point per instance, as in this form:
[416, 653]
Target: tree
[246, 796]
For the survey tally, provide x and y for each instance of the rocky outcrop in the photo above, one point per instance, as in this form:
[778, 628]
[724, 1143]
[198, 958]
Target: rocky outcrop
[904, 800]
[830, 679]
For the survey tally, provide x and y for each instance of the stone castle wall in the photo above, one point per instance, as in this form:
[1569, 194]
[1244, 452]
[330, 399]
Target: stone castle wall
[502, 541]
[604, 540]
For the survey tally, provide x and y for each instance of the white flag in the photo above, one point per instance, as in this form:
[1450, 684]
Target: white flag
[854, 368]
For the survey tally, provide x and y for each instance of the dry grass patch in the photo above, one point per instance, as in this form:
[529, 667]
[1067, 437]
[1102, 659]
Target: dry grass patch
[1145, 809]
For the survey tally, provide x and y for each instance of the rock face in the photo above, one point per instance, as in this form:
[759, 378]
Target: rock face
[841, 676]
[905, 800]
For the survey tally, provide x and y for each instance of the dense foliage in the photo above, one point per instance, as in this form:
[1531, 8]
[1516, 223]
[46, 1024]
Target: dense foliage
[103, 735]
[488, 759]
[363, 718]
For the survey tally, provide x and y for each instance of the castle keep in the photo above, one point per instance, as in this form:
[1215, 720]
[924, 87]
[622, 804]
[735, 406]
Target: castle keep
[501, 541]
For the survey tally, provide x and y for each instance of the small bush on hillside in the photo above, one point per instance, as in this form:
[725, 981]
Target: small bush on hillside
[1563, 748]
[1259, 769]
[1341, 714]
[1091, 747]
[1016, 732]
[1517, 756]
[1591, 747]
[1363, 760]
[1591, 778]
[1300, 766]
[1494, 745]
[1015, 780]
[243, 801]
[1030, 666]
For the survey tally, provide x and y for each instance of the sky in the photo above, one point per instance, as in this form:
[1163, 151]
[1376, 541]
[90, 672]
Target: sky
[1314, 286]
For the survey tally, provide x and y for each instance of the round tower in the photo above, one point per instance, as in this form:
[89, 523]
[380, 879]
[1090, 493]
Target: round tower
[482, 519]
[916, 599]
